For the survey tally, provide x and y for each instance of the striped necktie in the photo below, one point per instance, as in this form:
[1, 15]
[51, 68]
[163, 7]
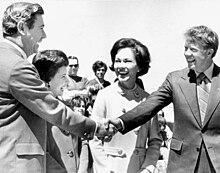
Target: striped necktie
[203, 94]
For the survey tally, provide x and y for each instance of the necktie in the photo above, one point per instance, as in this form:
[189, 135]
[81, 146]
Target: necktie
[203, 94]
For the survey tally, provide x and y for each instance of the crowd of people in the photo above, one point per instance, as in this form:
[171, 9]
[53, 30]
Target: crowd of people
[54, 121]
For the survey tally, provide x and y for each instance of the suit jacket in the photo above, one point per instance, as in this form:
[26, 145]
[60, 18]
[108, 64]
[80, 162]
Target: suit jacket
[25, 104]
[188, 131]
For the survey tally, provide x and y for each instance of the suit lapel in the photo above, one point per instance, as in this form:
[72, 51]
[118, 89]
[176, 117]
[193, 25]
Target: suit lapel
[214, 96]
[188, 87]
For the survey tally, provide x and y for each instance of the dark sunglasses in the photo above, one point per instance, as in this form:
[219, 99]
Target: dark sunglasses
[75, 65]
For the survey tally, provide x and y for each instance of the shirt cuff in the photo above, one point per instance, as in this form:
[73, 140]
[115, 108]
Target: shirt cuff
[122, 125]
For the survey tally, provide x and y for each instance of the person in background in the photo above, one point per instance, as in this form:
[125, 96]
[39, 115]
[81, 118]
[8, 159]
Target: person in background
[80, 103]
[166, 134]
[61, 146]
[194, 92]
[94, 85]
[126, 154]
[164, 130]
[77, 84]
[25, 102]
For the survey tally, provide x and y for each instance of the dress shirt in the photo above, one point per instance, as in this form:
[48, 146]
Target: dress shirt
[208, 74]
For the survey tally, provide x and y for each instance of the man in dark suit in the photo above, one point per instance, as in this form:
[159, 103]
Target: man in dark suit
[25, 102]
[195, 144]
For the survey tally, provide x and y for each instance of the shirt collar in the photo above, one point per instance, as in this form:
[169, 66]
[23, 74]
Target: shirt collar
[208, 72]
[23, 54]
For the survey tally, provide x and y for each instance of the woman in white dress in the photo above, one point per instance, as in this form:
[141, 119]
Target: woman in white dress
[138, 150]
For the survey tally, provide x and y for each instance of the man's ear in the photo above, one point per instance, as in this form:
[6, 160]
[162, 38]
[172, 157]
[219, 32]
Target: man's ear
[21, 27]
[210, 52]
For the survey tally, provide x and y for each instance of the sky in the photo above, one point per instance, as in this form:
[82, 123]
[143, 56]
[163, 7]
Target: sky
[89, 28]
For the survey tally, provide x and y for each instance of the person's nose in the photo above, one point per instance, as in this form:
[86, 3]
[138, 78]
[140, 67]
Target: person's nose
[122, 65]
[102, 72]
[44, 35]
[187, 53]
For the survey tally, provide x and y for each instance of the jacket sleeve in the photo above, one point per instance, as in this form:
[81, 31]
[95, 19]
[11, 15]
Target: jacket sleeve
[153, 143]
[26, 86]
[148, 108]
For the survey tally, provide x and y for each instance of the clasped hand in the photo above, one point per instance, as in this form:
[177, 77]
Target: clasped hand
[105, 131]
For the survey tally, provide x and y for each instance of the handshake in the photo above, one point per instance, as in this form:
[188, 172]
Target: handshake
[107, 128]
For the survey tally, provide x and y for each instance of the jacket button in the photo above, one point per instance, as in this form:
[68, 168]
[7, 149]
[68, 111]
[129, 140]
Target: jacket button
[65, 132]
[70, 153]
[136, 152]
[120, 152]
[197, 149]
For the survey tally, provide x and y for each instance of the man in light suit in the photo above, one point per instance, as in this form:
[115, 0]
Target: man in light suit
[195, 144]
[25, 102]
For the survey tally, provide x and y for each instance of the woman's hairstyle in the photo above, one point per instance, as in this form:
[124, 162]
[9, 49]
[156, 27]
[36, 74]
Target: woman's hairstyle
[17, 12]
[48, 62]
[141, 52]
[77, 101]
[99, 64]
[204, 36]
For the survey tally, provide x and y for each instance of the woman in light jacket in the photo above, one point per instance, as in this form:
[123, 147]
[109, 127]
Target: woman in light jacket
[138, 150]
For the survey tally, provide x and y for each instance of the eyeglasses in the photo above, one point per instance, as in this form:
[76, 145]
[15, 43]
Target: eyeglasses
[74, 65]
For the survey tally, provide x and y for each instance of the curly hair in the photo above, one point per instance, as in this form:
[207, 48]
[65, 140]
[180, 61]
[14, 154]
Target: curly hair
[99, 64]
[20, 11]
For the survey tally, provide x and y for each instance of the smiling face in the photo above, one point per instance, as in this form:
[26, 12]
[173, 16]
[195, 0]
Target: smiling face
[100, 73]
[126, 67]
[34, 36]
[197, 57]
[81, 108]
[59, 81]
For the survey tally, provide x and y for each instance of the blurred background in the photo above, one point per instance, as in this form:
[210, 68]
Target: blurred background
[88, 29]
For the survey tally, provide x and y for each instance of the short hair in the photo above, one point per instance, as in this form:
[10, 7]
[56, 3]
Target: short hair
[141, 52]
[74, 57]
[48, 62]
[99, 64]
[20, 11]
[204, 36]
